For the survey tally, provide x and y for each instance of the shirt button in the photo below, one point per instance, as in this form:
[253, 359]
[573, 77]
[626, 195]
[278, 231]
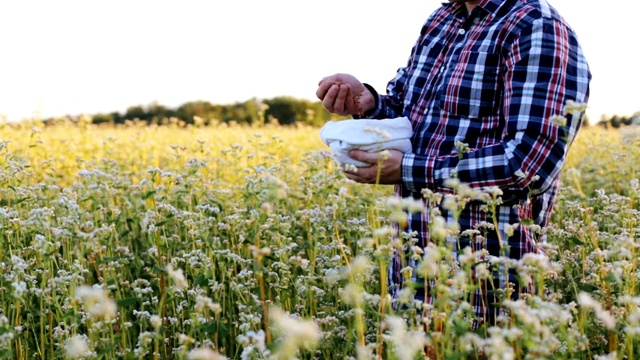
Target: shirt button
[461, 31]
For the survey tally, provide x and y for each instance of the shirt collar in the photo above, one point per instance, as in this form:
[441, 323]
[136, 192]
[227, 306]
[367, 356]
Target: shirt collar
[489, 6]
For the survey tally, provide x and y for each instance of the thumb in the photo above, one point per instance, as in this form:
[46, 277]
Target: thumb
[365, 156]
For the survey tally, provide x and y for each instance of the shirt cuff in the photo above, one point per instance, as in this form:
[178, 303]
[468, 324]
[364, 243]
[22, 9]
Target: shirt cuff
[418, 172]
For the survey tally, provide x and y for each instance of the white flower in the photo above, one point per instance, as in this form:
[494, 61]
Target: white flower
[178, 277]
[520, 174]
[203, 302]
[297, 333]
[430, 264]
[439, 229]
[586, 301]
[204, 354]
[185, 339]
[19, 288]
[299, 261]
[509, 229]
[559, 120]
[433, 197]
[350, 168]
[352, 294]
[412, 205]
[76, 347]
[497, 347]
[97, 302]
[571, 107]
[156, 322]
[467, 256]
[611, 356]
[405, 343]
[450, 202]
[274, 180]
[359, 265]
[462, 147]
[494, 191]
[452, 183]
[384, 232]
[266, 207]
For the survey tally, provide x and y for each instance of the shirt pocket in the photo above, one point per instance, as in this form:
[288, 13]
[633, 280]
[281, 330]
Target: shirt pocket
[470, 89]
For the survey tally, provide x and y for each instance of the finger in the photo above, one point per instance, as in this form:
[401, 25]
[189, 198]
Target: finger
[340, 103]
[348, 100]
[365, 156]
[364, 177]
[328, 102]
[323, 87]
[353, 177]
[331, 78]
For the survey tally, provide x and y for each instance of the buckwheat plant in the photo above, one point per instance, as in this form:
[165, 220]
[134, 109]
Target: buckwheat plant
[189, 242]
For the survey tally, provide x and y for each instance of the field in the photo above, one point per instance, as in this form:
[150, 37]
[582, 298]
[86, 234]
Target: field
[141, 242]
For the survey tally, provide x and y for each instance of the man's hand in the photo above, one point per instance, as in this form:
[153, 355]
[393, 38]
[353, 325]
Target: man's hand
[343, 94]
[386, 167]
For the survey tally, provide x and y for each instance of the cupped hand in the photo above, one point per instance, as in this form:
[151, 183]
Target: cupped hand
[343, 94]
[386, 167]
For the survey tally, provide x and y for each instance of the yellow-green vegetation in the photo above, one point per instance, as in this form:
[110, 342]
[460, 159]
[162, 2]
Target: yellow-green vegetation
[186, 242]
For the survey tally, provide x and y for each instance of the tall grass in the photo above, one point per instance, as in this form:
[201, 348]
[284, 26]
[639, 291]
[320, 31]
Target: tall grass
[141, 242]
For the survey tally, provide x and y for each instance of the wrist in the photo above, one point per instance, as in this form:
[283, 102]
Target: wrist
[368, 101]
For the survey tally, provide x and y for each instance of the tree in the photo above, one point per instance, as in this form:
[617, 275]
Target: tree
[289, 110]
[284, 110]
[206, 111]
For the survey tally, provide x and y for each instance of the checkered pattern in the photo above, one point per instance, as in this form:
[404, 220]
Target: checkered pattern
[491, 79]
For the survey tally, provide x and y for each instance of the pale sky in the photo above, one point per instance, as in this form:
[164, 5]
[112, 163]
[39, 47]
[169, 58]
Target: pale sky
[72, 57]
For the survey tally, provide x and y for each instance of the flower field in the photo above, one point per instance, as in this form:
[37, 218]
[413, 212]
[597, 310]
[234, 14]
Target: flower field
[161, 242]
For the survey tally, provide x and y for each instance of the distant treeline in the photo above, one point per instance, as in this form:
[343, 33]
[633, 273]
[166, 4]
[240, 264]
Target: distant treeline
[617, 121]
[283, 110]
[280, 110]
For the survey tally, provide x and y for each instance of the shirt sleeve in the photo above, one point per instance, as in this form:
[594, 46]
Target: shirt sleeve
[545, 68]
[390, 105]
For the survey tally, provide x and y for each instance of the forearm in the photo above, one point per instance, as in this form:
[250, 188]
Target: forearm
[510, 165]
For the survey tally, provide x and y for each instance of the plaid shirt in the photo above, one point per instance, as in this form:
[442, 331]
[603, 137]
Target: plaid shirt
[491, 79]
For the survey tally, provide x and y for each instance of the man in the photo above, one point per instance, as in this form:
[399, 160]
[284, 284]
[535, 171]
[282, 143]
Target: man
[491, 74]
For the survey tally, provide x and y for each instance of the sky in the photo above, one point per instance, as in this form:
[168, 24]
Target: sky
[78, 56]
